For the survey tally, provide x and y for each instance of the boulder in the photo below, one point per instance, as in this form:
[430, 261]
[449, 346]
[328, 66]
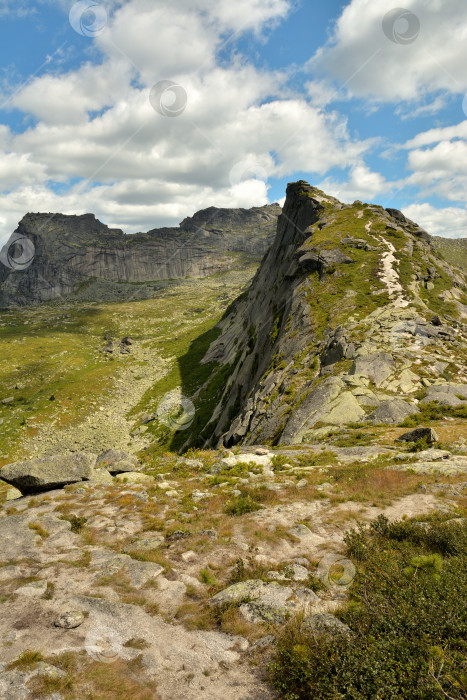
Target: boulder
[117, 461]
[320, 261]
[419, 433]
[325, 624]
[48, 473]
[454, 395]
[376, 367]
[392, 412]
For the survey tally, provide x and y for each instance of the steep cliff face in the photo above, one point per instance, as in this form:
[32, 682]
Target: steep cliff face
[352, 317]
[69, 251]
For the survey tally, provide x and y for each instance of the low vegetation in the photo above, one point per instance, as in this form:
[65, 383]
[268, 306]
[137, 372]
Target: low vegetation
[407, 615]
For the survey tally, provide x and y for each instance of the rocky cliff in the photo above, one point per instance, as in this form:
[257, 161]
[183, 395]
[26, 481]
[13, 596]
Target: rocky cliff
[73, 251]
[352, 317]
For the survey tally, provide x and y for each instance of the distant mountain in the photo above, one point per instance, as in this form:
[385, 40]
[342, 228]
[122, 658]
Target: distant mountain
[73, 252]
[454, 250]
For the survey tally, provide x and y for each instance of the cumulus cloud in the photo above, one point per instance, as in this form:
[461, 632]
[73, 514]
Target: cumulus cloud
[422, 52]
[450, 222]
[137, 169]
[363, 184]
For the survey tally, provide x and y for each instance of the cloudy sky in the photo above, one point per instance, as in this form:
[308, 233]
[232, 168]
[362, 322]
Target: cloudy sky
[145, 111]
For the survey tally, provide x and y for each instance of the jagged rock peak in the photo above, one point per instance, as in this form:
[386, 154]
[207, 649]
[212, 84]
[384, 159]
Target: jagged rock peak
[351, 317]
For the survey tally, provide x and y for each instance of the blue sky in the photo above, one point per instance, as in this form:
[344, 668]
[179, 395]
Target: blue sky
[360, 98]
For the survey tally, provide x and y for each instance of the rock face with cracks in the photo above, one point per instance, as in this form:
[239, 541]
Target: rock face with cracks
[332, 332]
[72, 252]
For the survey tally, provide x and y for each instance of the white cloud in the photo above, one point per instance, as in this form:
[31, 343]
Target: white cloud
[140, 169]
[450, 222]
[425, 138]
[363, 184]
[437, 159]
[362, 58]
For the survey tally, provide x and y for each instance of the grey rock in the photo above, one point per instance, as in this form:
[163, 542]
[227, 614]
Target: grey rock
[259, 612]
[13, 494]
[446, 395]
[48, 473]
[71, 250]
[147, 543]
[239, 591]
[376, 367]
[263, 643]
[392, 411]
[325, 624]
[420, 433]
[70, 620]
[117, 461]
[17, 540]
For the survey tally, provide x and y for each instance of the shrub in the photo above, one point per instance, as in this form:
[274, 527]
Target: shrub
[241, 505]
[408, 616]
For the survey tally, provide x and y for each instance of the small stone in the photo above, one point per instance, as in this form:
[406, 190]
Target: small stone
[263, 643]
[300, 531]
[13, 494]
[303, 483]
[261, 451]
[32, 590]
[301, 561]
[296, 572]
[7, 401]
[70, 620]
[189, 556]
[199, 495]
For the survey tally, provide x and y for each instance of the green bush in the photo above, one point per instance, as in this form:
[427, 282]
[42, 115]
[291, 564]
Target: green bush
[408, 615]
[241, 505]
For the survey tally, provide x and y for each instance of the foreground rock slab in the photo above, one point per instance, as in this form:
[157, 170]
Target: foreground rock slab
[48, 473]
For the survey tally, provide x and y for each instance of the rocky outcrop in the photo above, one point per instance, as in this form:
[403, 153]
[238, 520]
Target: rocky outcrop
[71, 252]
[352, 318]
[49, 473]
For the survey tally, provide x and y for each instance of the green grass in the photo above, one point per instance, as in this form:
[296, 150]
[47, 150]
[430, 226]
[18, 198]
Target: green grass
[52, 364]
[408, 620]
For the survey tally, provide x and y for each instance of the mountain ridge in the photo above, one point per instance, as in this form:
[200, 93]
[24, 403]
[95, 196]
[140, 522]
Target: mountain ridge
[72, 251]
[352, 317]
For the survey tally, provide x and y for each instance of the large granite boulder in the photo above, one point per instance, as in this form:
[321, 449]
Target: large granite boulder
[392, 412]
[376, 367]
[117, 461]
[48, 473]
[454, 395]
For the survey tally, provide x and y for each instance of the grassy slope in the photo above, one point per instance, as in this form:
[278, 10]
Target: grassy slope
[453, 250]
[56, 351]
